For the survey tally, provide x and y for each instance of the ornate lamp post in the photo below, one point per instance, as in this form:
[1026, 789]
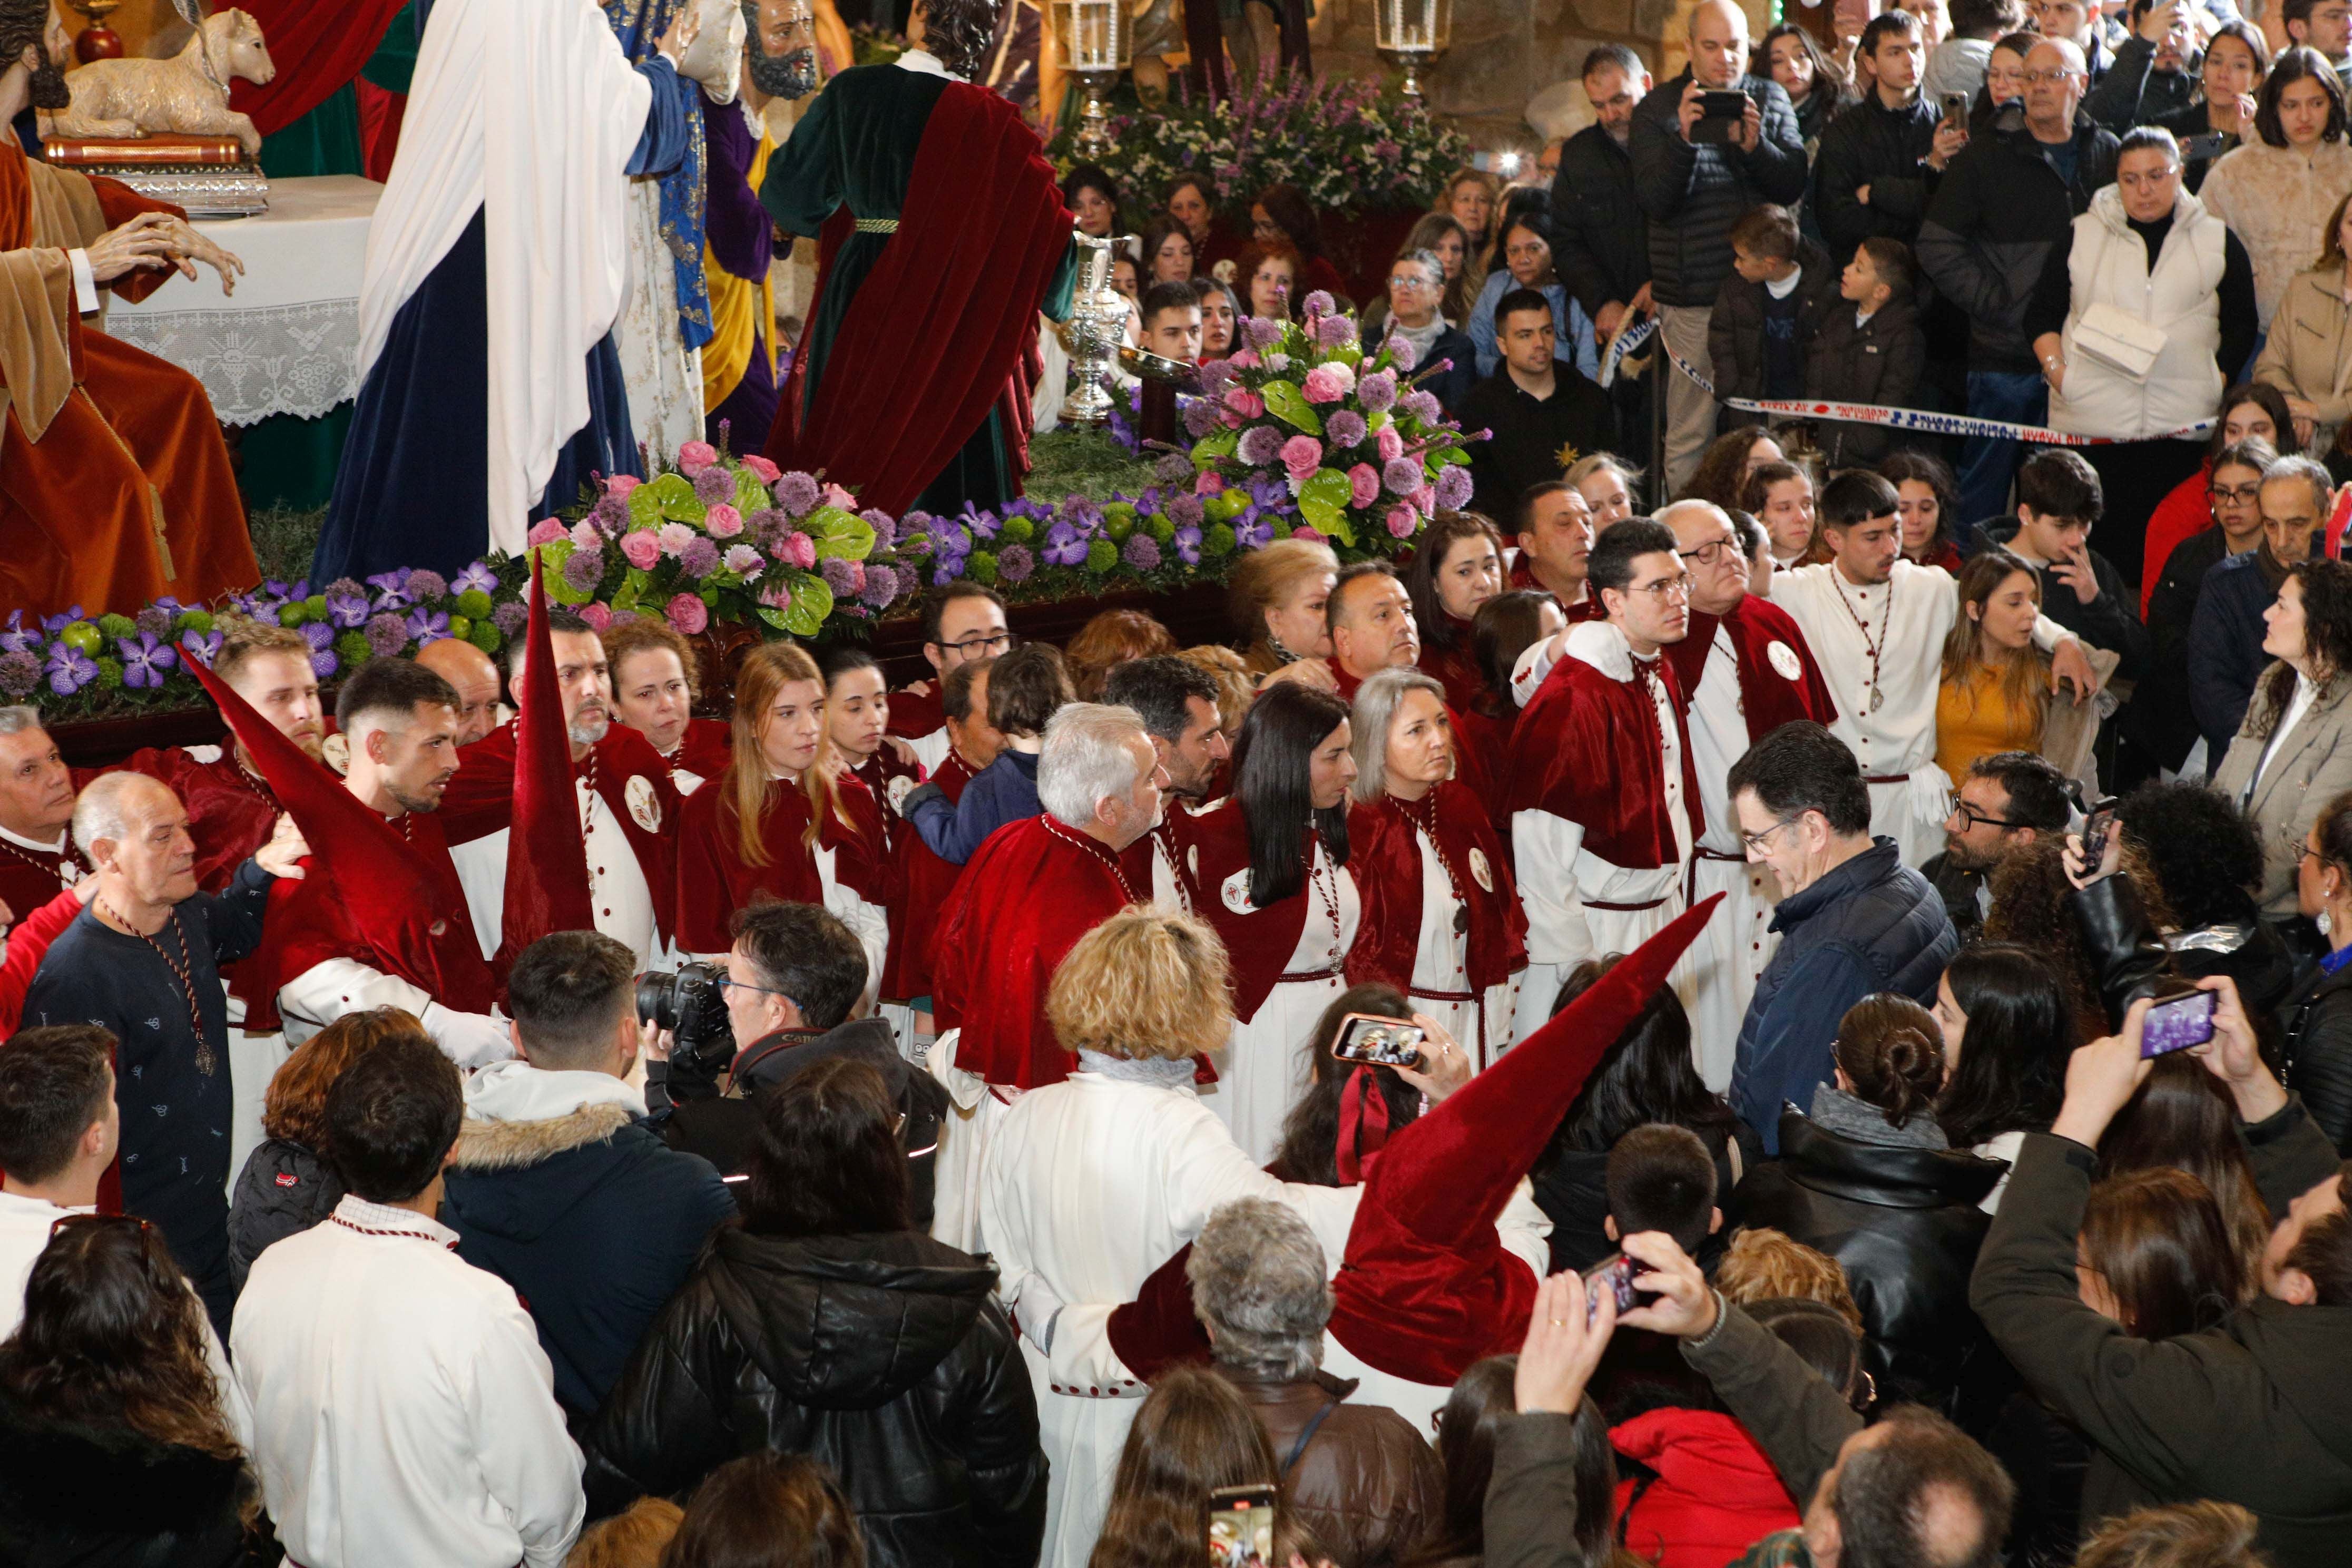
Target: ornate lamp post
[1413, 33]
[1100, 41]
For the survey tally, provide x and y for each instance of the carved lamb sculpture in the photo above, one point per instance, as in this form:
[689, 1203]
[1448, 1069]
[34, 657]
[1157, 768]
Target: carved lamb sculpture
[186, 95]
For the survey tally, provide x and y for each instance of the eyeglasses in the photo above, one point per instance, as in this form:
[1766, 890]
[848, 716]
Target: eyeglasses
[2035, 78]
[2251, 494]
[979, 644]
[1707, 555]
[728, 983]
[1969, 816]
[1752, 842]
[1666, 588]
[1410, 284]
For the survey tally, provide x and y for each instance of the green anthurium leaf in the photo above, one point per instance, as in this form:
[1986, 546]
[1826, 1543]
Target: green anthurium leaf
[1214, 447]
[1323, 498]
[776, 619]
[811, 603]
[645, 507]
[1287, 404]
[631, 589]
[839, 535]
[750, 495]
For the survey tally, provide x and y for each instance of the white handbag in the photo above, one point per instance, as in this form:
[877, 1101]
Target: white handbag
[2119, 341]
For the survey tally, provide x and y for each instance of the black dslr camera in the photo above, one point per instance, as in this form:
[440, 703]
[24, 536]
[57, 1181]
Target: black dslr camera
[691, 1004]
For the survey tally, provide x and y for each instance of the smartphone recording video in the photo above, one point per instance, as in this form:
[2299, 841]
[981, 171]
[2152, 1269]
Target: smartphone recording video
[1241, 1527]
[1383, 1042]
[2178, 1023]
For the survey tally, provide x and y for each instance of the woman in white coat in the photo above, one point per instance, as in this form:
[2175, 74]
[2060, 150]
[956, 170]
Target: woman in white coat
[2139, 321]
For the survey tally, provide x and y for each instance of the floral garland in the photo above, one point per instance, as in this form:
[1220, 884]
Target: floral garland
[1348, 144]
[1304, 433]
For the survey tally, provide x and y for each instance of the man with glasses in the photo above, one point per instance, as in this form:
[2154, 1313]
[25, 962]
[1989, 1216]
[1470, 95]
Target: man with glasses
[961, 622]
[1747, 670]
[2225, 638]
[2008, 800]
[2324, 26]
[1853, 919]
[794, 976]
[1602, 795]
[1539, 410]
[2006, 199]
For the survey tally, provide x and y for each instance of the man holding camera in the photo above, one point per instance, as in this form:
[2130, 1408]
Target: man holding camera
[794, 976]
[558, 1185]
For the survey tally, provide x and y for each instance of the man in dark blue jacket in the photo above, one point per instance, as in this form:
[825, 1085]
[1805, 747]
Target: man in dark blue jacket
[558, 1185]
[1853, 919]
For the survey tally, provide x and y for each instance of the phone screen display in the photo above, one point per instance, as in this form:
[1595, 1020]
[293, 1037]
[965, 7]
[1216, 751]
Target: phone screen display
[2176, 1025]
[1615, 1274]
[1241, 1527]
[1385, 1042]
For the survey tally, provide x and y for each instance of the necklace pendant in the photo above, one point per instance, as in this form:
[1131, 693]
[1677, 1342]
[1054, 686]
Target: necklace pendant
[1877, 699]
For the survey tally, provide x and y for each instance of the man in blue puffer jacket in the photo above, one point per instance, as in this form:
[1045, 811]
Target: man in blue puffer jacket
[1853, 919]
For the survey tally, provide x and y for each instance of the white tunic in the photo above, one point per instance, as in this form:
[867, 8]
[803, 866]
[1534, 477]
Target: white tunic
[1739, 941]
[1091, 1185]
[1896, 741]
[1264, 1069]
[404, 1411]
[618, 893]
[1440, 967]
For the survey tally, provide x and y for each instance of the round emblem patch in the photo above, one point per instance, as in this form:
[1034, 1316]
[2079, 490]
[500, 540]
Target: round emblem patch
[1785, 660]
[337, 751]
[1482, 871]
[900, 788]
[1236, 893]
[644, 805]
[1192, 860]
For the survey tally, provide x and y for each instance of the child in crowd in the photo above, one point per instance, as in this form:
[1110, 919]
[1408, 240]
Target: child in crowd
[1868, 350]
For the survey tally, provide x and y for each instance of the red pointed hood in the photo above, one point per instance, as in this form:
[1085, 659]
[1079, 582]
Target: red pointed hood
[547, 863]
[1427, 1288]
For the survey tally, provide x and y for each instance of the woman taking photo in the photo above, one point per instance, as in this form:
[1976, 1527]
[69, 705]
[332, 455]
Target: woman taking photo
[2318, 1020]
[1930, 507]
[783, 820]
[1268, 870]
[1270, 275]
[1277, 597]
[2008, 1028]
[2308, 355]
[2293, 752]
[116, 1445]
[1457, 567]
[825, 1324]
[1525, 249]
[2277, 190]
[1441, 917]
[1996, 682]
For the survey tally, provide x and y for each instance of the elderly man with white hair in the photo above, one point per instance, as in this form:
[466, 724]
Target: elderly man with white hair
[144, 962]
[1034, 889]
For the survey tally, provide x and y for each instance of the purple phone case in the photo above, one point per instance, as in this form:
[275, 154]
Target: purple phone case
[2177, 1024]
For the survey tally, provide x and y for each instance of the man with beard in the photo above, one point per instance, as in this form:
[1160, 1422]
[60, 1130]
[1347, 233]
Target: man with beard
[628, 806]
[1603, 799]
[2008, 800]
[1179, 705]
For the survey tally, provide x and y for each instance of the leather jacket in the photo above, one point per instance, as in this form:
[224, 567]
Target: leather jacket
[1364, 1481]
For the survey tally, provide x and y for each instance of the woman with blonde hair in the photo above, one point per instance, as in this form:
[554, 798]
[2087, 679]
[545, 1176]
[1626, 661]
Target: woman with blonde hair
[1090, 1184]
[1277, 597]
[1996, 683]
[1473, 198]
[784, 819]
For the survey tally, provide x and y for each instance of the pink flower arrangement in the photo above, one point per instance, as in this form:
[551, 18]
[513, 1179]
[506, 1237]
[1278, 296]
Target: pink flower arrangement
[1241, 400]
[722, 522]
[641, 549]
[546, 530]
[797, 549]
[597, 615]
[675, 537]
[622, 484]
[1243, 359]
[1363, 485]
[1302, 455]
[694, 456]
[689, 614]
[1389, 444]
[1321, 386]
[1402, 520]
[768, 472]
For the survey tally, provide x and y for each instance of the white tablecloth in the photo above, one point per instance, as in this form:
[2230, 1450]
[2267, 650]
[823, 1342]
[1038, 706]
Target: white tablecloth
[287, 340]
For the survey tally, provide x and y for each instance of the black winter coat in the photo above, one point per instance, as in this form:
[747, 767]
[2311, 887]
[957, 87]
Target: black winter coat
[2318, 1025]
[1998, 210]
[1877, 361]
[283, 1191]
[882, 1356]
[80, 1497]
[1885, 149]
[1905, 1225]
[1693, 194]
[1735, 333]
[2111, 621]
[1599, 237]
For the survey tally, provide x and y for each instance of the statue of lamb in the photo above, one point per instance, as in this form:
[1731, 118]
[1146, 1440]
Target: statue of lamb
[186, 95]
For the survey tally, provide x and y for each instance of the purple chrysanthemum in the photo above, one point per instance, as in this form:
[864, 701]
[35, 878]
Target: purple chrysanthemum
[796, 493]
[611, 513]
[1402, 355]
[881, 586]
[1401, 475]
[1334, 332]
[1173, 469]
[1014, 563]
[1262, 331]
[344, 585]
[1423, 405]
[1453, 487]
[1142, 551]
[714, 485]
[884, 527]
[838, 575]
[510, 617]
[1200, 417]
[1344, 429]
[583, 570]
[19, 672]
[155, 621]
[387, 635]
[1377, 391]
[423, 584]
[1216, 374]
[1318, 303]
[1260, 445]
[1187, 510]
[700, 557]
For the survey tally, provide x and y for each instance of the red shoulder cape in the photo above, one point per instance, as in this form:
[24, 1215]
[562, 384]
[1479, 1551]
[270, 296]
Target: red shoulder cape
[1585, 751]
[1768, 694]
[1258, 941]
[1021, 904]
[714, 881]
[1385, 859]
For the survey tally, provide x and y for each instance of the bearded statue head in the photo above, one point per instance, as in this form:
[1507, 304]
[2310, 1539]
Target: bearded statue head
[792, 71]
[24, 24]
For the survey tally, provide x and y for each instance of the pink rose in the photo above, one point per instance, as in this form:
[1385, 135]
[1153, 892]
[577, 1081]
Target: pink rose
[597, 615]
[695, 455]
[642, 548]
[1391, 443]
[1402, 520]
[835, 496]
[689, 614]
[722, 522]
[1306, 533]
[1321, 387]
[1208, 484]
[1243, 359]
[768, 472]
[1245, 403]
[1343, 373]
[1363, 485]
[1424, 500]
[546, 530]
[797, 549]
[1302, 455]
[622, 484]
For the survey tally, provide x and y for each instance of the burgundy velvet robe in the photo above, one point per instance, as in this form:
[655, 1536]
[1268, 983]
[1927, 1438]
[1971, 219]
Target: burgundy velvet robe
[1587, 750]
[1384, 855]
[1769, 695]
[714, 881]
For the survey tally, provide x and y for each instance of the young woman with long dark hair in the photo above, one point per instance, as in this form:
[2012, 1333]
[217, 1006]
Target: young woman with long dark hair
[2008, 1028]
